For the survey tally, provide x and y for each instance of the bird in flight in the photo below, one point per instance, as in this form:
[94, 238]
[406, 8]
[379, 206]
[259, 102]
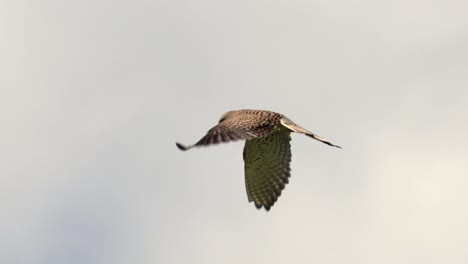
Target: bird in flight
[267, 150]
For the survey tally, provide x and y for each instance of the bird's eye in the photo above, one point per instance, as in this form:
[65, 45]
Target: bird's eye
[222, 119]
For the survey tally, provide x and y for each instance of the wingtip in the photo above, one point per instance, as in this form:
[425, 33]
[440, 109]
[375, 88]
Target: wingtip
[181, 147]
[259, 206]
[316, 137]
[330, 144]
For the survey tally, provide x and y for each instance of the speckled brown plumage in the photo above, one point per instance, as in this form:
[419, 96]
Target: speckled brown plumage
[267, 151]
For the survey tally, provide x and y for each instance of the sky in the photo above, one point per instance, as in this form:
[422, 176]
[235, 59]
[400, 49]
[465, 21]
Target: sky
[94, 94]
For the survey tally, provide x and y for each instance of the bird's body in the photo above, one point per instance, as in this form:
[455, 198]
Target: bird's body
[267, 152]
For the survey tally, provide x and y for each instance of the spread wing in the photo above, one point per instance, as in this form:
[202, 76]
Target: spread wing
[231, 130]
[267, 167]
[296, 128]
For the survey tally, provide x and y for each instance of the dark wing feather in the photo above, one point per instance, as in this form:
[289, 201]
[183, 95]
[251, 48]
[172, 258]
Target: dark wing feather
[222, 132]
[267, 168]
[232, 129]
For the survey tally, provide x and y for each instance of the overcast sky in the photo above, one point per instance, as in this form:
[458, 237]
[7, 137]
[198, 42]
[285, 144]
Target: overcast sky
[93, 95]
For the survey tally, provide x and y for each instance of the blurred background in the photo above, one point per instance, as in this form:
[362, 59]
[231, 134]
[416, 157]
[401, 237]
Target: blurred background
[93, 95]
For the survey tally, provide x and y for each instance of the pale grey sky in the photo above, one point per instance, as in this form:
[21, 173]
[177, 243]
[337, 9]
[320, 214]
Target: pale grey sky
[93, 95]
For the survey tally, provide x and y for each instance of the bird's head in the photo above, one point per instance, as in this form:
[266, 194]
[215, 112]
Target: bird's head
[225, 116]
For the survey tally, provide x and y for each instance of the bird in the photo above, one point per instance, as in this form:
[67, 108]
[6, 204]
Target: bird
[267, 149]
